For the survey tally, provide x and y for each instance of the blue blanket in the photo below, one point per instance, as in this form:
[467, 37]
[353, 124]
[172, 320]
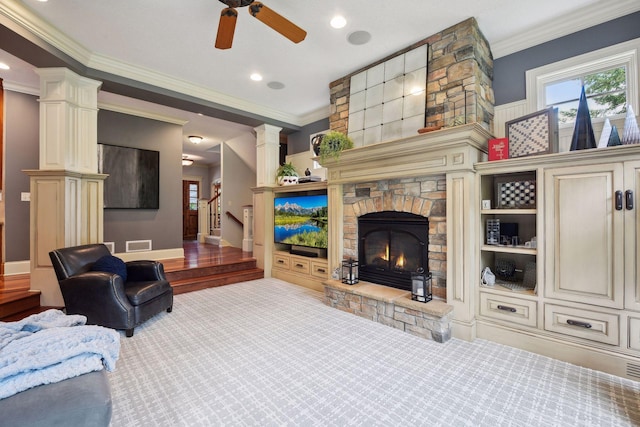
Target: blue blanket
[51, 347]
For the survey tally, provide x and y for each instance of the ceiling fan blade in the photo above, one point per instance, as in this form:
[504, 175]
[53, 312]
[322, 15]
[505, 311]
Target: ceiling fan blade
[277, 22]
[226, 28]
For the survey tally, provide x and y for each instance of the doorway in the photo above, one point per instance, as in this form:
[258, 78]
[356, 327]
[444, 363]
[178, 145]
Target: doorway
[190, 197]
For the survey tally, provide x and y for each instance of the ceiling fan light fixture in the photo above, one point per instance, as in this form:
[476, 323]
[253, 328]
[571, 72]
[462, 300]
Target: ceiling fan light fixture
[186, 161]
[194, 139]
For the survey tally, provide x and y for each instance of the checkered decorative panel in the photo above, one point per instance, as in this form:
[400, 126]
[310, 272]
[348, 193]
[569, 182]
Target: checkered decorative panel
[517, 194]
[533, 134]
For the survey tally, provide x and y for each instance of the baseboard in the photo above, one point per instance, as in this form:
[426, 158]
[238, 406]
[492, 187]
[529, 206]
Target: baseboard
[152, 255]
[598, 359]
[17, 267]
[24, 267]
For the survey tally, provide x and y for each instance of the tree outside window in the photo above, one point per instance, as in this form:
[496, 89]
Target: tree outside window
[606, 93]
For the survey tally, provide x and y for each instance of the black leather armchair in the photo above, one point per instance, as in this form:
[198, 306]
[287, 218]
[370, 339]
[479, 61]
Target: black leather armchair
[104, 297]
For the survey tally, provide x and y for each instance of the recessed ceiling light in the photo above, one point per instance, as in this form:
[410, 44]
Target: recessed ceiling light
[338, 21]
[42, 1]
[359, 37]
[256, 77]
[4, 66]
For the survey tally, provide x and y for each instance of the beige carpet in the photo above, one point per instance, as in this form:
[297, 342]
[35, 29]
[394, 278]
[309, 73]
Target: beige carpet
[268, 353]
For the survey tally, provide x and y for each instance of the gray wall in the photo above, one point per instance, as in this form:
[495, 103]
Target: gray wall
[298, 142]
[509, 71]
[237, 180]
[21, 152]
[163, 226]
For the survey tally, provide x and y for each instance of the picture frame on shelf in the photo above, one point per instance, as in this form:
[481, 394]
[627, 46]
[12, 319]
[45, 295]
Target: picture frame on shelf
[533, 134]
[515, 192]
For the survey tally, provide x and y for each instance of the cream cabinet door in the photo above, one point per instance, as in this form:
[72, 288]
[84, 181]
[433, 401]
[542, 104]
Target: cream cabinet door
[631, 230]
[584, 234]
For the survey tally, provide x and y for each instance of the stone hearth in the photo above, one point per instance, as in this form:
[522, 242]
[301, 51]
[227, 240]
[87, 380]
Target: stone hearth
[392, 307]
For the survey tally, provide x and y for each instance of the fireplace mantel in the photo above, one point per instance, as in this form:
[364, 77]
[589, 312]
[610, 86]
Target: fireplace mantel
[442, 151]
[451, 153]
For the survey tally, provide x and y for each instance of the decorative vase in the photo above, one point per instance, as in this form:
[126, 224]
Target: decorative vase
[287, 180]
[315, 143]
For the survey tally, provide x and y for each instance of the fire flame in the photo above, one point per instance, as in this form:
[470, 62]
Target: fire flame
[400, 262]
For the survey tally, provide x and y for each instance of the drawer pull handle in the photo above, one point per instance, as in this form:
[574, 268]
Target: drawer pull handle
[578, 323]
[322, 270]
[280, 261]
[299, 265]
[506, 308]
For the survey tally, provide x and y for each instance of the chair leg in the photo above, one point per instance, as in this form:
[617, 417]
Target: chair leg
[170, 309]
[129, 332]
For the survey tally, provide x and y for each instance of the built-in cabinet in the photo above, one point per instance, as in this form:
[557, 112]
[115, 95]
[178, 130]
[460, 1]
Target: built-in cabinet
[585, 305]
[308, 271]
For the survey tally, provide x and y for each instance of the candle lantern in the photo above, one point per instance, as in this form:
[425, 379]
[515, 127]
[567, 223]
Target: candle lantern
[421, 286]
[350, 271]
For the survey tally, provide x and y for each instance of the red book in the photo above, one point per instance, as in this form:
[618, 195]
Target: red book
[498, 148]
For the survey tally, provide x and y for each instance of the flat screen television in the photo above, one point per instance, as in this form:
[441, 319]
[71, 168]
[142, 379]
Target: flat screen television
[134, 177]
[301, 220]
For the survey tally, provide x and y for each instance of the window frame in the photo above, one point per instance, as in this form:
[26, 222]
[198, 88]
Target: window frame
[622, 54]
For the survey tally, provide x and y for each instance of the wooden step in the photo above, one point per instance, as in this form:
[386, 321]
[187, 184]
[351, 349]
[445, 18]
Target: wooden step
[211, 281]
[194, 279]
[17, 302]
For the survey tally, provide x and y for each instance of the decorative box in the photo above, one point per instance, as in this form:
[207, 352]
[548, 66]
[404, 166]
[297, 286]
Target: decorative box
[498, 149]
[516, 194]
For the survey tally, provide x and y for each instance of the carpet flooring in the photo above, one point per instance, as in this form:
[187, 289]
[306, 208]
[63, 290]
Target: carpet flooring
[269, 353]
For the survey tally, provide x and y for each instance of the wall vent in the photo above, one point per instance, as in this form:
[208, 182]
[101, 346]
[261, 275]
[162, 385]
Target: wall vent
[633, 370]
[111, 246]
[138, 245]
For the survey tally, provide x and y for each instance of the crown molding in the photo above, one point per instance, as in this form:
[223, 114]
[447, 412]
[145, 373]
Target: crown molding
[604, 11]
[22, 16]
[140, 113]
[16, 87]
[314, 116]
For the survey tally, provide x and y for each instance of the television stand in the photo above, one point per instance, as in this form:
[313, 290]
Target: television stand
[301, 270]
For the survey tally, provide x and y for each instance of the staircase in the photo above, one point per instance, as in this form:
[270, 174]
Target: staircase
[194, 279]
[16, 299]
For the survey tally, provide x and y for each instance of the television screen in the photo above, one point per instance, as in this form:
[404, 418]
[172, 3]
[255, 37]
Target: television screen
[301, 220]
[134, 177]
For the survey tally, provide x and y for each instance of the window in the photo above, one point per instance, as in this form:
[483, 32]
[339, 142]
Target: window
[609, 75]
[193, 196]
[606, 93]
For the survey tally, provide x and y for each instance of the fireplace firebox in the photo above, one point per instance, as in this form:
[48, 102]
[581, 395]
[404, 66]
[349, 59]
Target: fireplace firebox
[391, 246]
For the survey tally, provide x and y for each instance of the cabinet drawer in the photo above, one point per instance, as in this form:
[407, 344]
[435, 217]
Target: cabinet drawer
[591, 325]
[510, 309]
[300, 265]
[634, 333]
[319, 269]
[281, 261]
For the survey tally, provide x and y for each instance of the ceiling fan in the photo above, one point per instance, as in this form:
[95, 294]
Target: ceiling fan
[229, 15]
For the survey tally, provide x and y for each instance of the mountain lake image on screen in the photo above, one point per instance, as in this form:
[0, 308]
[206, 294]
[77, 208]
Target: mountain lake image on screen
[301, 220]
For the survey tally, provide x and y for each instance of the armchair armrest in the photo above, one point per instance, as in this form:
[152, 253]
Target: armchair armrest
[145, 271]
[98, 295]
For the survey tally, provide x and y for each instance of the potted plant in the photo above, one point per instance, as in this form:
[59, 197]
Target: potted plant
[333, 143]
[287, 174]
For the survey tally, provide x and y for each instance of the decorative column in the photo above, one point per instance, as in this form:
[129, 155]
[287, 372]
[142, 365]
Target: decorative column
[66, 192]
[267, 154]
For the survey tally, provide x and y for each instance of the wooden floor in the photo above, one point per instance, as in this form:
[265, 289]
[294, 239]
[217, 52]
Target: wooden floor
[196, 256]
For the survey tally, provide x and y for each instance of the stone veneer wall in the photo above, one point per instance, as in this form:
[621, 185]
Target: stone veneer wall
[459, 60]
[424, 196]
